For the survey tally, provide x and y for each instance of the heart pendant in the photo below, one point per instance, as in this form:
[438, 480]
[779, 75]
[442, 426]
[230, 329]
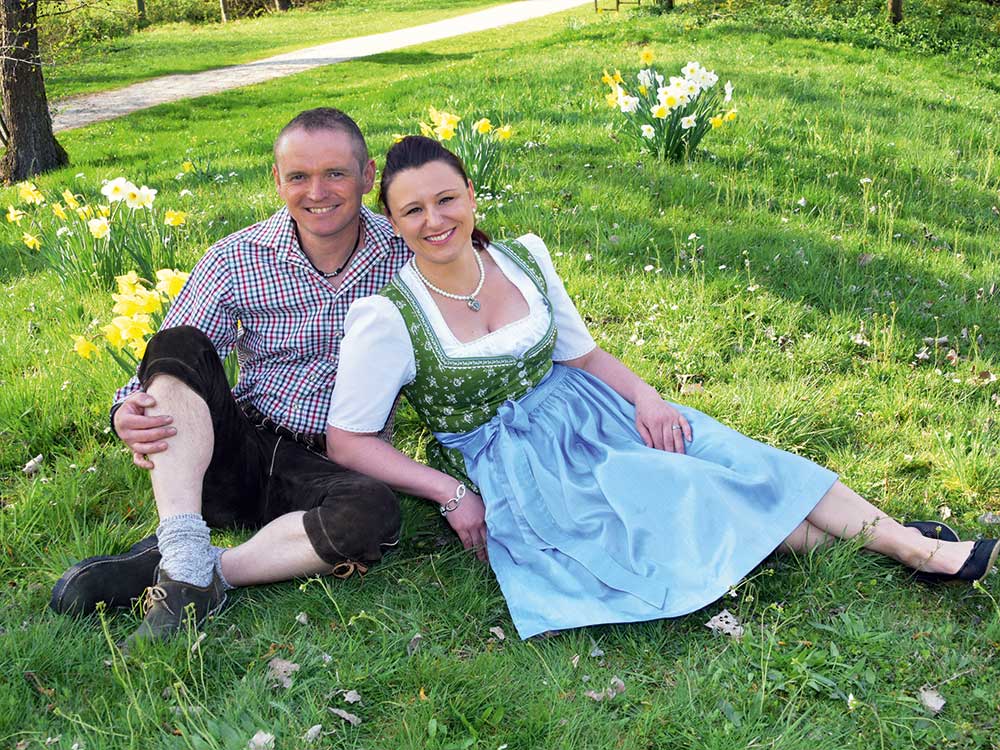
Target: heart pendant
[474, 305]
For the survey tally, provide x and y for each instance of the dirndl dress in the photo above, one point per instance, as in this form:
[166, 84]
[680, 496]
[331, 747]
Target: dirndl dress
[585, 524]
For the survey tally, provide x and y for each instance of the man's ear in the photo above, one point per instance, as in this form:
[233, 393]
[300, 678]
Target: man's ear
[368, 175]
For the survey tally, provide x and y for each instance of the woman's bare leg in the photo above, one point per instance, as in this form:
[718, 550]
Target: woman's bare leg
[845, 514]
[805, 538]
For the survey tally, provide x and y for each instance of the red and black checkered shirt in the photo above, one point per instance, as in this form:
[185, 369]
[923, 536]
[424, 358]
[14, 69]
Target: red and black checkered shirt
[291, 318]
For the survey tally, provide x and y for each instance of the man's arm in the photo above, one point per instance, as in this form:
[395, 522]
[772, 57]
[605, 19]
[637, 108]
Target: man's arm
[207, 303]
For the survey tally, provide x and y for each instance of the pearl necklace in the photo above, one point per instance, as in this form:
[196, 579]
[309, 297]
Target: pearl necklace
[470, 299]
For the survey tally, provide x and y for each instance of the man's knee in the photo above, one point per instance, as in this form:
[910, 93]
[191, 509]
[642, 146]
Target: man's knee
[189, 358]
[184, 343]
[358, 522]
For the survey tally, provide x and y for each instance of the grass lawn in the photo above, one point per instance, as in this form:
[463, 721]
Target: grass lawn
[793, 271]
[190, 48]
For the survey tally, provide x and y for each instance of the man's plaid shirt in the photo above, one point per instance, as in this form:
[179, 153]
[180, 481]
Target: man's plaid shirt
[291, 318]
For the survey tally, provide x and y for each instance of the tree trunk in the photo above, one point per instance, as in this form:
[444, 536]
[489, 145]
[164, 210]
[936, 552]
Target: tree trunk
[31, 146]
[222, 10]
[283, 4]
[140, 9]
[895, 11]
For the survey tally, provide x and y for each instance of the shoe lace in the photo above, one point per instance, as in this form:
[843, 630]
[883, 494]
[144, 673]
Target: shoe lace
[155, 595]
[347, 568]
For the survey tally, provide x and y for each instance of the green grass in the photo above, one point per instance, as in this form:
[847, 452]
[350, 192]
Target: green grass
[762, 315]
[181, 47]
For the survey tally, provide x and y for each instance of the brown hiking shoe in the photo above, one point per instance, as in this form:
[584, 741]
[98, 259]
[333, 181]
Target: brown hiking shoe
[169, 604]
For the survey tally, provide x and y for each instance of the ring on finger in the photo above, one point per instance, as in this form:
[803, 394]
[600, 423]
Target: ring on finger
[675, 427]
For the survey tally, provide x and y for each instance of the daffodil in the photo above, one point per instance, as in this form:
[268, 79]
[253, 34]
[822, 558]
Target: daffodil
[483, 126]
[426, 130]
[606, 78]
[138, 347]
[31, 241]
[57, 209]
[688, 122]
[444, 119]
[628, 104]
[99, 227]
[396, 138]
[117, 189]
[504, 132]
[141, 197]
[187, 167]
[136, 327]
[30, 194]
[716, 121]
[646, 56]
[14, 215]
[113, 335]
[729, 92]
[730, 115]
[127, 282]
[617, 77]
[170, 282]
[71, 202]
[612, 99]
[691, 69]
[661, 112]
[84, 347]
[175, 218]
[444, 132]
[648, 131]
[125, 304]
[643, 90]
[103, 210]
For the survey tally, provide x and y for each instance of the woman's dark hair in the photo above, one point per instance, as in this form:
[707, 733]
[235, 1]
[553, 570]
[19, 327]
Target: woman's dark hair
[415, 151]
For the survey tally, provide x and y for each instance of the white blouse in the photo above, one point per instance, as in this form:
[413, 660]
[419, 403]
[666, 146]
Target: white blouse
[376, 354]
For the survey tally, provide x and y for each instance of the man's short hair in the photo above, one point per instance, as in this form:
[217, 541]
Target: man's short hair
[327, 118]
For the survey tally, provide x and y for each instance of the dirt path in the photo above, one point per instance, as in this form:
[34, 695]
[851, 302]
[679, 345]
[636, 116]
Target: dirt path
[77, 111]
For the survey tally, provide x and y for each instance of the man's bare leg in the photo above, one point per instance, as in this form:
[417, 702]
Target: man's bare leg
[279, 551]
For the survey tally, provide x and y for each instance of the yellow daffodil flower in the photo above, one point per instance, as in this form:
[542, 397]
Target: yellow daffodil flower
[57, 209]
[128, 282]
[504, 132]
[730, 115]
[175, 218]
[444, 132]
[14, 215]
[136, 327]
[483, 126]
[617, 77]
[170, 282]
[85, 212]
[643, 90]
[71, 202]
[187, 167]
[84, 347]
[99, 227]
[716, 121]
[114, 336]
[444, 119]
[103, 210]
[396, 138]
[661, 112]
[138, 347]
[141, 197]
[606, 78]
[28, 193]
[612, 99]
[126, 304]
[426, 130]
[646, 56]
[31, 241]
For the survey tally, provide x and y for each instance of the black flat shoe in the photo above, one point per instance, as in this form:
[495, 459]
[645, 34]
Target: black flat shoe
[116, 580]
[976, 566]
[934, 530]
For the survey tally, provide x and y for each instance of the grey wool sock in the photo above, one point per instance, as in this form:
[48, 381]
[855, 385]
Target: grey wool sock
[216, 553]
[185, 544]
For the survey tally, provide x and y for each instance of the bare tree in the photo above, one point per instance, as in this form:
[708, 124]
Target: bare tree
[27, 125]
[895, 11]
[282, 5]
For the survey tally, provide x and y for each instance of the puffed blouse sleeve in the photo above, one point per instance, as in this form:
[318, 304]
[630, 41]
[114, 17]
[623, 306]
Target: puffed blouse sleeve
[376, 361]
[573, 339]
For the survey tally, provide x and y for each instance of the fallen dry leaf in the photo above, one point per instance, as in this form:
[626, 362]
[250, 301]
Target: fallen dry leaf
[352, 696]
[865, 258]
[940, 341]
[312, 733]
[414, 645]
[261, 741]
[498, 632]
[989, 518]
[31, 468]
[348, 717]
[617, 687]
[952, 356]
[280, 671]
[985, 376]
[726, 623]
[596, 652]
[36, 683]
[575, 661]
[860, 340]
[931, 699]
[945, 512]
[302, 618]
[689, 389]
[923, 355]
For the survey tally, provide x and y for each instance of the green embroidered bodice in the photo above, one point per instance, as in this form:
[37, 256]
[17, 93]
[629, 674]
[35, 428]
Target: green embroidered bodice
[458, 394]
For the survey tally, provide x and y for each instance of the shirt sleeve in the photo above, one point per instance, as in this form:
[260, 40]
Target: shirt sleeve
[376, 361]
[573, 339]
[205, 302]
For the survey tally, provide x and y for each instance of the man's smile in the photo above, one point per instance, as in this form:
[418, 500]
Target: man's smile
[320, 209]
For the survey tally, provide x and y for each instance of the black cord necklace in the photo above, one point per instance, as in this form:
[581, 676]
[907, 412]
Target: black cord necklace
[343, 265]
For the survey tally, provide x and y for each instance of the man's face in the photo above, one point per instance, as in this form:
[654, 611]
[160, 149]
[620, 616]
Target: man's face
[320, 180]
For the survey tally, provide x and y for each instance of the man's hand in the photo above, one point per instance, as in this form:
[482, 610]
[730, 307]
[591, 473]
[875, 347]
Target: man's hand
[143, 435]
[661, 425]
[469, 522]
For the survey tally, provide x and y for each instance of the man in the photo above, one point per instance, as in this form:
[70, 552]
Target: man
[278, 291]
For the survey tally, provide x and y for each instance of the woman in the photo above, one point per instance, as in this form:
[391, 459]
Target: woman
[603, 503]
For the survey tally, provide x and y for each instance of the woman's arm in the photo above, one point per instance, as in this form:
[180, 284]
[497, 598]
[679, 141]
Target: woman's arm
[655, 419]
[368, 454]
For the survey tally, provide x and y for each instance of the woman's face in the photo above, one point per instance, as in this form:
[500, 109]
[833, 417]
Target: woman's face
[434, 210]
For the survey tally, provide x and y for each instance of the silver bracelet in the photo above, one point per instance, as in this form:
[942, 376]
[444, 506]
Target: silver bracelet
[453, 504]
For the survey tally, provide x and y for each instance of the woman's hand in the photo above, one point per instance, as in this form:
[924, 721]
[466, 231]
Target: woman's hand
[660, 425]
[469, 522]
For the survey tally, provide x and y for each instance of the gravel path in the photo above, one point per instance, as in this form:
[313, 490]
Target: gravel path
[77, 111]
